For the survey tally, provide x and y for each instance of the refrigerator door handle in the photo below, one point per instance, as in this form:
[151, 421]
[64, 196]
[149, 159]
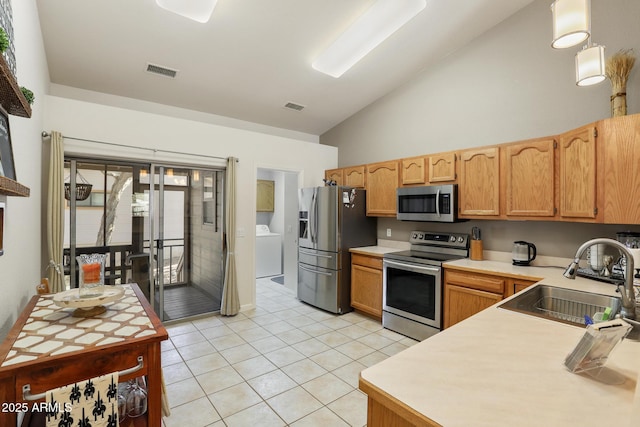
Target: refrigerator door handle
[313, 213]
[310, 270]
[315, 254]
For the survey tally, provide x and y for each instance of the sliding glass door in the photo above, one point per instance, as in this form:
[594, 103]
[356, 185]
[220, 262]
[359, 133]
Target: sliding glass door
[161, 226]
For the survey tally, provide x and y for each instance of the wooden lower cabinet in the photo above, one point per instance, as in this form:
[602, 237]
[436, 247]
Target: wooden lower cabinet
[366, 284]
[467, 293]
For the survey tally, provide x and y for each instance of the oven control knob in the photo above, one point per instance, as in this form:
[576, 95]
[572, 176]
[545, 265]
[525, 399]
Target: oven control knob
[420, 236]
[460, 239]
[414, 235]
[452, 239]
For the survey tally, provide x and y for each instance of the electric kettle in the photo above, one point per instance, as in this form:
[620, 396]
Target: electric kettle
[523, 252]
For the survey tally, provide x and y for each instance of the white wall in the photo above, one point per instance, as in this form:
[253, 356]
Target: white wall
[20, 266]
[80, 119]
[507, 85]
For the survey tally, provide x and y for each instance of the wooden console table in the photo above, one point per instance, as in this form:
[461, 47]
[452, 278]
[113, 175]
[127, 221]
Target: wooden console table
[48, 348]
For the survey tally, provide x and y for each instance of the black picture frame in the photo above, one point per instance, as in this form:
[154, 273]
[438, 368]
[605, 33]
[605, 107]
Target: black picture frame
[7, 166]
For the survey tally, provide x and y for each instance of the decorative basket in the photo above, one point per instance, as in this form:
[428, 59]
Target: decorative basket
[82, 191]
[83, 188]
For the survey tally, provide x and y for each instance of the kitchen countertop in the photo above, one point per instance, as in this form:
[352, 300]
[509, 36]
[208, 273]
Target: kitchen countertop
[374, 250]
[502, 368]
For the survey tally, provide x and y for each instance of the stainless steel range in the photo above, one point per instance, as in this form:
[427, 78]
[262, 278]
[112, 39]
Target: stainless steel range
[412, 282]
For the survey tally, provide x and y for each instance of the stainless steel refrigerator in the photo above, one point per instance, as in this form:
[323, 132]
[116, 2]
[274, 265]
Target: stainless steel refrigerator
[331, 221]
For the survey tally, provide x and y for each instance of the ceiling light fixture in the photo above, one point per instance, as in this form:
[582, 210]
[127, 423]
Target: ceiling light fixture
[590, 65]
[197, 10]
[380, 21]
[571, 22]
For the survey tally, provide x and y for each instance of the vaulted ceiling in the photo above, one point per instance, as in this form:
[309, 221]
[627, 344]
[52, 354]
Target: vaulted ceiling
[252, 57]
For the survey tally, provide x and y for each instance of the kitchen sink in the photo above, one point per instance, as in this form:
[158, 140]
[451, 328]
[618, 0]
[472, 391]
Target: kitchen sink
[562, 305]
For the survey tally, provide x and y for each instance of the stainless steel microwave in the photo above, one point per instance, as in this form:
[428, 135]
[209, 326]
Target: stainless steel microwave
[436, 203]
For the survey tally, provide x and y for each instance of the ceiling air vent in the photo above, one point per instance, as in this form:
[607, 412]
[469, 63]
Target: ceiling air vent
[292, 106]
[163, 71]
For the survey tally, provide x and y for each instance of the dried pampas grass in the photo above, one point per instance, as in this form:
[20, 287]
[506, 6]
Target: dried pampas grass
[618, 68]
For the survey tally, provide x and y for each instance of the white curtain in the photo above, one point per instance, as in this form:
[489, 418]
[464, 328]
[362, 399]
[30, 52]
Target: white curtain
[230, 302]
[55, 213]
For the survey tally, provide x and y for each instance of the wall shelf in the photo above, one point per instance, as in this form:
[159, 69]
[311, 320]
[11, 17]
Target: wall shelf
[11, 97]
[10, 187]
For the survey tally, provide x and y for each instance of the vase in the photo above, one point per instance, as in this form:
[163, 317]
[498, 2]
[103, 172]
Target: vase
[91, 275]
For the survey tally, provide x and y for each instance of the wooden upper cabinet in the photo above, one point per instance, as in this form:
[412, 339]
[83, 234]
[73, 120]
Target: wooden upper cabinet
[414, 171]
[529, 183]
[355, 176]
[619, 164]
[382, 184]
[577, 173]
[442, 167]
[479, 183]
[334, 175]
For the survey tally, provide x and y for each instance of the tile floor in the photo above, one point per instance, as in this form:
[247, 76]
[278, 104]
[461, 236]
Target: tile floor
[284, 363]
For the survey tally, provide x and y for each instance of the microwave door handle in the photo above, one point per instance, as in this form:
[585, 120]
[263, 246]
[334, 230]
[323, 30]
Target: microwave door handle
[438, 202]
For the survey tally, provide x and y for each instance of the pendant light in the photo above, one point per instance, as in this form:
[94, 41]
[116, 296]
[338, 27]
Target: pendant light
[590, 65]
[571, 22]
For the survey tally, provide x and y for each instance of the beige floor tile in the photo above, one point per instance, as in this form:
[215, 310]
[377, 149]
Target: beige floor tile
[214, 381]
[387, 333]
[304, 370]
[293, 336]
[269, 344]
[243, 325]
[257, 415]
[167, 345]
[187, 339]
[372, 358]
[294, 404]
[394, 348]
[194, 351]
[170, 357]
[321, 316]
[278, 327]
[198, 413]
[334, 339]
[227, 341]
[176, 372]
[272, 384]
[254, 367]
[322, 417]
[316, 329]
[300, 321]
[206, 363]
[239, 353]
[336, 323]
[370, 325]
[180, 328]
[350, 373]
[207, 322]
[311, 346]
[376, 341]
[217, 332]
[184, 391]
[355, 349]
[331, 359]
[327, 388]
[234, 399]
[354, 332]
[254, 334]
[284, 356]
[352, 408]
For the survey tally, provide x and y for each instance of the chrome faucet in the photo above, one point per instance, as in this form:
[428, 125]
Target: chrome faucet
[627, 292]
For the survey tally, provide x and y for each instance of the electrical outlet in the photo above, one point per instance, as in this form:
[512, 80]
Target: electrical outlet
[388, 232]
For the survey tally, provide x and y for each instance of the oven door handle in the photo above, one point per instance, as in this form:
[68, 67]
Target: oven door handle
[412, 266]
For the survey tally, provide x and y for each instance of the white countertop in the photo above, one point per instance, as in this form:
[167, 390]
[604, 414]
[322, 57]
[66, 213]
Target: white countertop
[502, 368]
[374, 250]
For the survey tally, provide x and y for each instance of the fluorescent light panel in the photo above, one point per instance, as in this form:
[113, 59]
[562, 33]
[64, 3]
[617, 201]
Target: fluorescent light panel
[380, 21]
[197, 10]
